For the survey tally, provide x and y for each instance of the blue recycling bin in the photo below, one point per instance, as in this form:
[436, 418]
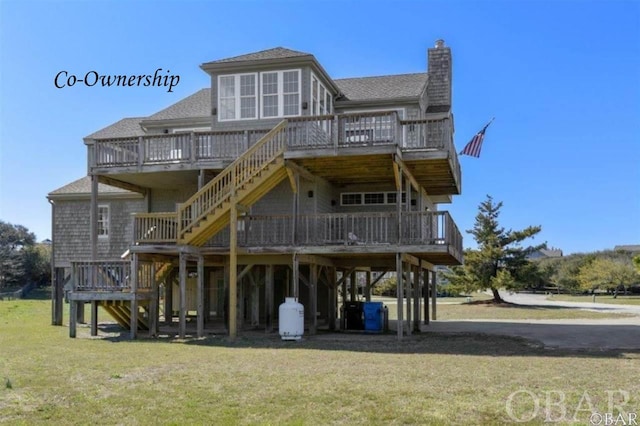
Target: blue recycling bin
[373, 314]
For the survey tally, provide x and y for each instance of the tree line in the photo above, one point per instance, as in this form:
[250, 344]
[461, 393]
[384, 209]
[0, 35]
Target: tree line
[22, 260]
[501, 261]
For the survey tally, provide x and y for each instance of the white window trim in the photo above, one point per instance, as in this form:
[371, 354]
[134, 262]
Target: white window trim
[237, 96]
[104, 236]
[280, 94]
[362, 198]
[328, 108]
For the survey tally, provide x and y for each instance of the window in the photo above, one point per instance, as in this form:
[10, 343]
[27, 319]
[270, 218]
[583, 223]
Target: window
[321, 101]
[270, 94]
[237, 97]
[314, 95]
[103, 221]
[280, 93]
[369, 198]
[291, 92]
[374, 198]
[350, 199]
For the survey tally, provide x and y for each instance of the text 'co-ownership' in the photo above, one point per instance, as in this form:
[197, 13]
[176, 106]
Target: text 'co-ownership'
[94, 78]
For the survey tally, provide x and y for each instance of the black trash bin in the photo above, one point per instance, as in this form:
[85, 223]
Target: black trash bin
[354, 316]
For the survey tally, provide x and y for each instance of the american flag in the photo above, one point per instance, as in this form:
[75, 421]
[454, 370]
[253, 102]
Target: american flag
[475, 144]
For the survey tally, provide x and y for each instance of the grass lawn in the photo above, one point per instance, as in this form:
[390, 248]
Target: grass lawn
[48, 378]
[600, 298]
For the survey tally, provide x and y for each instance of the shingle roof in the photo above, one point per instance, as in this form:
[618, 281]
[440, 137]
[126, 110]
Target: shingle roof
[122, 128]
[275, 53]
[196, 105]
[383, 87]
[82, 186]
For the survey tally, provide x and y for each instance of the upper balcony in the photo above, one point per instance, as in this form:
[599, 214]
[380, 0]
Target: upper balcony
[426, 146]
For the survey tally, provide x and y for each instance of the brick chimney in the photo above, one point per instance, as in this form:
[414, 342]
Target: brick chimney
[439, 86]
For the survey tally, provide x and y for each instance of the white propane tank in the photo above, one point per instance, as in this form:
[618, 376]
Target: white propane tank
[291, 322]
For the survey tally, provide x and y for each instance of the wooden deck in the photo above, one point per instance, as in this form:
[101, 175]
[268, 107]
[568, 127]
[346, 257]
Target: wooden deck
[432, 235]
[344, 142]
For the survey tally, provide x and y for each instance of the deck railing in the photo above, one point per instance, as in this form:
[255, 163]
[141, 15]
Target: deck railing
[116, 152]
[416, 228]
[306, 132]
[369, 128]
[109, 275]
[155, 228]
[101, 276]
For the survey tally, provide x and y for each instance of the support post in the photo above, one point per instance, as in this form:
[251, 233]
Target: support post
[153, 302]
[295, 277]
[408, 291]
[268, 298]
[434, 294]
[367, 287]
[57, 295]
[426, 274]
[73, 318]
[200, 297]
[399, 298]
[133, 325]
[255, 299]
[416, 299]
[313, 292]
[168, 298]
[93, 218]
[233, 269]
[182, 272]
[343, 319]
[353, 286]
[333, 298]
[94, 317]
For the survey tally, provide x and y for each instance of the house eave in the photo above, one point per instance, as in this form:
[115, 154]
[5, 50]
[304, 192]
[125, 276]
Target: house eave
[246, 66]
[177, 122]
[81, 196]
[376, 102]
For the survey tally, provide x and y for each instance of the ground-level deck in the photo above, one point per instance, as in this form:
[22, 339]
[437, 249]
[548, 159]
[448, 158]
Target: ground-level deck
[182, 287]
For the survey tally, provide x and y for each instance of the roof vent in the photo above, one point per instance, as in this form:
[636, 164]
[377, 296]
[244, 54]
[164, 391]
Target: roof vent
[439, 44]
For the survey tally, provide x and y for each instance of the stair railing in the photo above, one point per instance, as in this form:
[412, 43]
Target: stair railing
[219, 189]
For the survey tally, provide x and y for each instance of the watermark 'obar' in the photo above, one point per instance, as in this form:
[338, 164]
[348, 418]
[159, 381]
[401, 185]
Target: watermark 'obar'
[94, 78]
[552, 407]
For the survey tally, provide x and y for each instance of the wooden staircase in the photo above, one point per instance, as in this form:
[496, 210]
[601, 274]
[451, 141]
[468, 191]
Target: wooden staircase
[162, 273]
[120, 310]
[256, 172]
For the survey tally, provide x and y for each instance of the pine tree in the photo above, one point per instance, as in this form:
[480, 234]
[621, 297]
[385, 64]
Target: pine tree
[499, 261]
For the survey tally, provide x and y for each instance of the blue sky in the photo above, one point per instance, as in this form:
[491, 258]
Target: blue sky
[562, 79]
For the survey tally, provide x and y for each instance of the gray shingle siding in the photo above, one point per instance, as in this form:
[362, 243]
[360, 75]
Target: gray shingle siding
[71, 231]
[439, 88]
[165, 200]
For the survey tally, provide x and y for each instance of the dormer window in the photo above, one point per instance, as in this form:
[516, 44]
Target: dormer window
[321, 102]
[237, 97]
[279, 93]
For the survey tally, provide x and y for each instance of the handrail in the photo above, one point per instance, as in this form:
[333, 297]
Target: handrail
[220, 188]
[155, 227]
